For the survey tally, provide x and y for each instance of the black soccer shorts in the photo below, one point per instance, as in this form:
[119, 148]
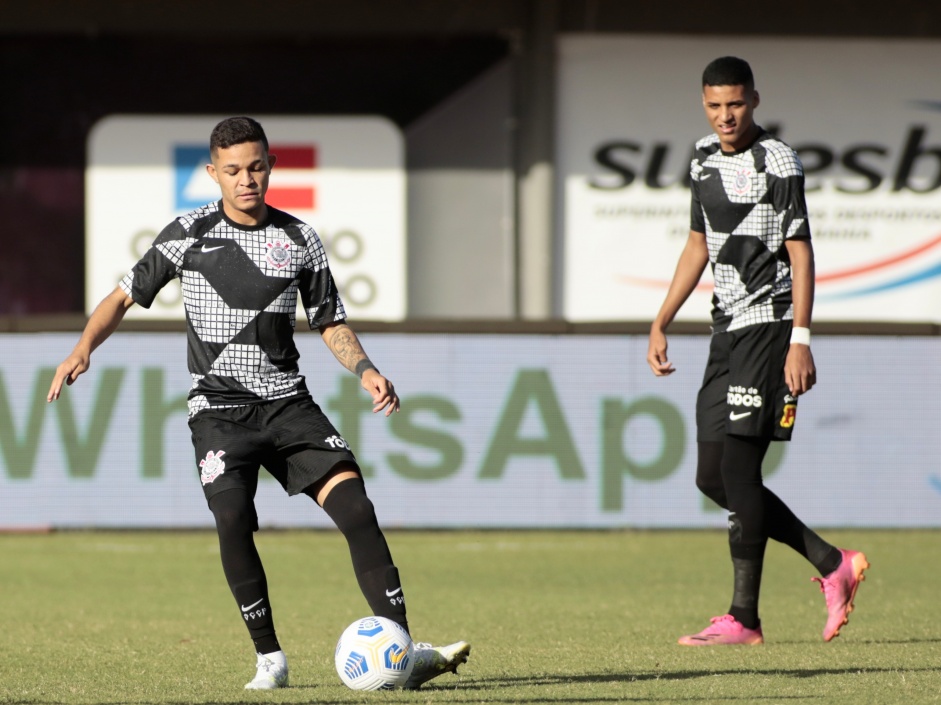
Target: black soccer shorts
[743, 390]
[291, 438]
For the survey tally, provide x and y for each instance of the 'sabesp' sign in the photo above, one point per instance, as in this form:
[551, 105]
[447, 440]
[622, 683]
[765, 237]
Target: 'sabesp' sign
[872, 168]
[910, 165]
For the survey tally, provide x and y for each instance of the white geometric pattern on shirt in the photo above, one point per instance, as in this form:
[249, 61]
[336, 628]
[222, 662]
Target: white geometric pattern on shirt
[251, 367]
[175, 250]
[211, 319]
[188, 220]
[745, 183]
[237, 261]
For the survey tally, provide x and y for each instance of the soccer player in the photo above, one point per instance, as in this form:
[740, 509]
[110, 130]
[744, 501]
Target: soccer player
[241, 264]
[749, 222]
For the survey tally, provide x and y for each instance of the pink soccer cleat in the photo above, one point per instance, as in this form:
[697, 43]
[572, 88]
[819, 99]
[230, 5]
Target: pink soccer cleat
[724, 630]
[840, 589]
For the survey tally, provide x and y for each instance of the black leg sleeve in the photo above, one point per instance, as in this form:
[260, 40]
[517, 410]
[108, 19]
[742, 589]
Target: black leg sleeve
[236, 522]
[353, 513]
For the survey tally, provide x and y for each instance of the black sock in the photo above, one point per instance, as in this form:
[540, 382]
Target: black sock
[235, 522]
[353, 513]
[780, 522]
[785, 527]
[253, 603]
[747, 588]
[828, 562]
[741, 476]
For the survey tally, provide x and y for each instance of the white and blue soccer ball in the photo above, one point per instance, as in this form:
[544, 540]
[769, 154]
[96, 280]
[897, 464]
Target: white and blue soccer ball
[374, 653]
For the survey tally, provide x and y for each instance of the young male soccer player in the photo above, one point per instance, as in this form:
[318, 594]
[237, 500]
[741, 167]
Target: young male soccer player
[241, 264]
[749, 221]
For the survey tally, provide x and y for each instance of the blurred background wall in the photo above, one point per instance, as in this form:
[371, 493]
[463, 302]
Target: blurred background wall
[472, 85]
[540, 150]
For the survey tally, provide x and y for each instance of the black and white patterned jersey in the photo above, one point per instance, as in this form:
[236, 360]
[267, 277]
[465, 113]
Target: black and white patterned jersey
[240, 287]
[748, 203]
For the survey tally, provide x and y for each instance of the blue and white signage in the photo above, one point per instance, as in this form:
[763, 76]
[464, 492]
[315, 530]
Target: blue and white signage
[343, 175]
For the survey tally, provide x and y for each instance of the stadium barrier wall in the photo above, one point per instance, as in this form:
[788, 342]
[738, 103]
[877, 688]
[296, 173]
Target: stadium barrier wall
[495, 431]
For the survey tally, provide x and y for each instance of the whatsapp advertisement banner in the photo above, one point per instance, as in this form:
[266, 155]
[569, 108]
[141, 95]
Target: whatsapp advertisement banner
[495, 431]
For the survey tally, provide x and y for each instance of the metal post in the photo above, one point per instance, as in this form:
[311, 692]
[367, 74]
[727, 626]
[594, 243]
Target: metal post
[535, 164]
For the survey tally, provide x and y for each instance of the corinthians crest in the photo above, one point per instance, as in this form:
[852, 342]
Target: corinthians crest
[211, 467]
[742, 183]
[278, 254]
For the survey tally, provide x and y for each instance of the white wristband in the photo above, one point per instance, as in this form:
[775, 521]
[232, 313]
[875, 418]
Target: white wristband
[800, 336]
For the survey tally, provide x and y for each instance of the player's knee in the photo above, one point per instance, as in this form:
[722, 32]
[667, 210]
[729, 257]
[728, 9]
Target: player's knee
[358, 513]
[709, 473]
[350, 508]
[234, 512]
[713, 490]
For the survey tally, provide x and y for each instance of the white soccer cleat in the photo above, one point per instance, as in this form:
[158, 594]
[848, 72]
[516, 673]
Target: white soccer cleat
[432, 661]
[272, 672]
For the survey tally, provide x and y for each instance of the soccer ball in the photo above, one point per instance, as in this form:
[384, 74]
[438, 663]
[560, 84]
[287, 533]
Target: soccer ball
[374, 653]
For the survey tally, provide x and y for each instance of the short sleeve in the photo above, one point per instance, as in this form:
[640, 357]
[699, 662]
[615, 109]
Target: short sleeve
[785, 176]
[697, 219]
[159, 265]
[319, 294]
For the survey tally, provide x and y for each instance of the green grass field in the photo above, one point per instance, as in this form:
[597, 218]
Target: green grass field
[554, 617]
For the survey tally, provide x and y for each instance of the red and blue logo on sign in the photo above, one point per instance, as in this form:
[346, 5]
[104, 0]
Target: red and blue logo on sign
[893, 271]
[296, 191]
[298, 159]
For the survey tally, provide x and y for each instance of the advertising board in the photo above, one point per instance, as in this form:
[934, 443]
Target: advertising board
[526, 431]
[344, 176]
[863, 115]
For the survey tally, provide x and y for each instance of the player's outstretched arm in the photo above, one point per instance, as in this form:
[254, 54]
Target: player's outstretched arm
[346, 348]
[800, 373]
[102, 322]
[689, 269]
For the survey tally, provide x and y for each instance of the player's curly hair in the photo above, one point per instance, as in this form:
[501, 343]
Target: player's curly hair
[728, 71]
[236, 130]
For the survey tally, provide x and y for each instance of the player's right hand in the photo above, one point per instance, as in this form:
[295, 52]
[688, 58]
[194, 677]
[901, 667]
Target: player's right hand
[657, 354]
[74, 365]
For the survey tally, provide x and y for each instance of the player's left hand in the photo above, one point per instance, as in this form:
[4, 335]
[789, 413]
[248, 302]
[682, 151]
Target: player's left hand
[382, 392]
[800, 374]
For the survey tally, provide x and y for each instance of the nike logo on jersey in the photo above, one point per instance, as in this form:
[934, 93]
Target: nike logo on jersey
[254, 604]
[735, 417]
[390, 593]
[211, 249]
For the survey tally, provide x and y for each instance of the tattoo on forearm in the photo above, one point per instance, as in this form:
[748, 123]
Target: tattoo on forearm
[345, 346]
[362, 366]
